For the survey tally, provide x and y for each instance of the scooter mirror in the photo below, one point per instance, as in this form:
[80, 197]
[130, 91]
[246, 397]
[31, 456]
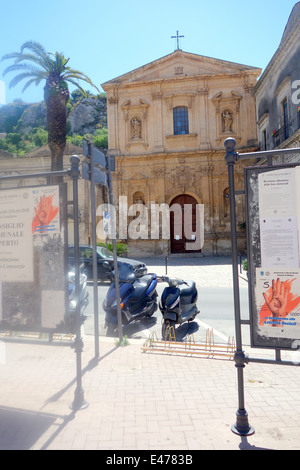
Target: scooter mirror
[107, 265]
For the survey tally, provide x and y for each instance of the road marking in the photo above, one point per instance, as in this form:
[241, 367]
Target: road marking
[216, 332]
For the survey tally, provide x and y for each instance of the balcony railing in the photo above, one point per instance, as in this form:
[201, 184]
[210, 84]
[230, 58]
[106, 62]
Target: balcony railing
[280, 136]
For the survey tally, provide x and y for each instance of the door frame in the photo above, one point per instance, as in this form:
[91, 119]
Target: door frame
[170, 199]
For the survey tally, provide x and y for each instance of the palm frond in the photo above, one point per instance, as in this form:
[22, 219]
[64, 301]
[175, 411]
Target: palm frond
[36, 81]
[22, 67]
[77, 85]
[32, 58]
[35, 47]
[39, 52]
[38, 56]
[22, 76]
[75, 74]
[59, 63]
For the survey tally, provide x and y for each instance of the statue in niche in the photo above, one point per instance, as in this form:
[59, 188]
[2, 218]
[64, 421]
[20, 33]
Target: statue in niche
[139, 201]
[135, 128]
[227, 121]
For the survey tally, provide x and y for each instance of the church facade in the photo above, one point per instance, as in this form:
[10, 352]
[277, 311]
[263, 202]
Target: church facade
[167, 122]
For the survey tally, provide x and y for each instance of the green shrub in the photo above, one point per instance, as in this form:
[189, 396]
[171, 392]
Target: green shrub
[122, 248]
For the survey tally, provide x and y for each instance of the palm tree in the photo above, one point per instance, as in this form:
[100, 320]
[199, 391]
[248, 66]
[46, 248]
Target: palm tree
[34, 64]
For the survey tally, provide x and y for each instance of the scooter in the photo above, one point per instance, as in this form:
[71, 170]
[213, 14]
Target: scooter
[138, 298]
[83, 299]
[178, 304]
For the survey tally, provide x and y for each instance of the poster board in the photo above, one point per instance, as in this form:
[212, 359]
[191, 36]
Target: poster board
[273, 228]
[33, 259]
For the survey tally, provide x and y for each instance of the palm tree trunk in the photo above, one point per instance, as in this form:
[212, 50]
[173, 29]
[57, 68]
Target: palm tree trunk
[57, 126]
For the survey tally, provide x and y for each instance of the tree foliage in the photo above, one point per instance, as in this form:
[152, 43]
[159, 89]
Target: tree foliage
[22, 143]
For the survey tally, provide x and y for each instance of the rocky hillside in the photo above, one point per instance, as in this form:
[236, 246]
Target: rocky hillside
[87, 115]
[84, 116]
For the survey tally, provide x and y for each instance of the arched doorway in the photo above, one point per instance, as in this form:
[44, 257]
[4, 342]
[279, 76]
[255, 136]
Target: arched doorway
[178, 231]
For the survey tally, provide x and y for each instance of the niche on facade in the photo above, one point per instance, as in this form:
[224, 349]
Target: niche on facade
[138, 214]
[227, 116]
[138, 198]
[135, 117]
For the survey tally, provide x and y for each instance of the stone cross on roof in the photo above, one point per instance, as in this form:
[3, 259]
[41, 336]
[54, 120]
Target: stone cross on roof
[177, 38]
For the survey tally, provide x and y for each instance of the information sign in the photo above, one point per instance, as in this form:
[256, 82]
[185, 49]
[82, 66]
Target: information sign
[16, 236]
[33, 241]
[273, 227]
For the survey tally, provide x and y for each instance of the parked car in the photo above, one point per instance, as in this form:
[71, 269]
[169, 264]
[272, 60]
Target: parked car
[105, 262]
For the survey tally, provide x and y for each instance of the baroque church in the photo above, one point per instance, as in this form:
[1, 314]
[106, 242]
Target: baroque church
[167, 122]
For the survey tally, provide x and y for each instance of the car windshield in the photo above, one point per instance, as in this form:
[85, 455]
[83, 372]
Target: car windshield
[104, 252]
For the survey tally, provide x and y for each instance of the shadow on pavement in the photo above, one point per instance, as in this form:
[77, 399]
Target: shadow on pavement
[245, 445]
[20, 429]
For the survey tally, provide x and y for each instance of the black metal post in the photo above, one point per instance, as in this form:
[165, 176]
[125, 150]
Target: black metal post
[79, 402]
[241, 427]
[114, 244]
[94, 244]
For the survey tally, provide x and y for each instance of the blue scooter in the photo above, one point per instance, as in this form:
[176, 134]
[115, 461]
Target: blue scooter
[178, 304]
[138, 298]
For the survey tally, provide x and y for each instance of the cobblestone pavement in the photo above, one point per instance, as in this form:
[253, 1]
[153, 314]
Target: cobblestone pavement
[143, 400]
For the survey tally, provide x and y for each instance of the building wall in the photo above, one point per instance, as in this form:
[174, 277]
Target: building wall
[277, 88]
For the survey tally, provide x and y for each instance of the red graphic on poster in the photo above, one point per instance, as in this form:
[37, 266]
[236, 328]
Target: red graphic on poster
[44, 213]
[279, 302]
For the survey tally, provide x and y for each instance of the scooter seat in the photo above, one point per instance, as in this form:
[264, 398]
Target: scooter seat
[187, 289]
[188, 293]
[141, 285]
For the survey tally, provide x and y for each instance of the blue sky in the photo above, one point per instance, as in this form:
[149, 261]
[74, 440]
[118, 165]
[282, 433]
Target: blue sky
[106, 39]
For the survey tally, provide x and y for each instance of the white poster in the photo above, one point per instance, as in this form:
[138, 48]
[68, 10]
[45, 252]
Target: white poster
[279, 242]
[16, 241]
[279, 218]
[277, 193]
